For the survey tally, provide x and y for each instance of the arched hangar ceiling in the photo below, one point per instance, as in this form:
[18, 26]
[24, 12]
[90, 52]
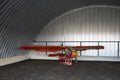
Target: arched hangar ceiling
[22, 20]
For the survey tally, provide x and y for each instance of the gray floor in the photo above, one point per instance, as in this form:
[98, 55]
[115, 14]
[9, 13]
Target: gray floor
[52, 70]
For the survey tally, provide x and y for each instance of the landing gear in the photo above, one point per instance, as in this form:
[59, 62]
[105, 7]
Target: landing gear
[68, 61]
[76, 61]
[61, 59]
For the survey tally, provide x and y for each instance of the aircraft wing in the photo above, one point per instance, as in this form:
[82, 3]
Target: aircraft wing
[43, 48]
[87, 47]
[58, 48]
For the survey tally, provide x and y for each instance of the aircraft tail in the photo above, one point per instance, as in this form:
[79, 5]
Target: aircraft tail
[54, 55]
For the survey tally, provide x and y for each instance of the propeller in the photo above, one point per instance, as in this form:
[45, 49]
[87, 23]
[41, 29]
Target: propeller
[67, 52]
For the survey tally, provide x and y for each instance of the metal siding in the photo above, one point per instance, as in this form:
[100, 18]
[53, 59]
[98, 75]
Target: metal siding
[118, 49]
[22, 20]
[89, 52]
[88, 24]
[10, 35]
[93, 23]
[111, 49]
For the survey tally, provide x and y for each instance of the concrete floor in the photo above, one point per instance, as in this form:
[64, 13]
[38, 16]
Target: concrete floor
[52, 70]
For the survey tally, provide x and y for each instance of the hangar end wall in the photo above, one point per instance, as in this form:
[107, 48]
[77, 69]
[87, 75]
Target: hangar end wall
[92, 23]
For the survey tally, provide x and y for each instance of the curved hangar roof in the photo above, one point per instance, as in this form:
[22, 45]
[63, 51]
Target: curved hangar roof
[22, 20]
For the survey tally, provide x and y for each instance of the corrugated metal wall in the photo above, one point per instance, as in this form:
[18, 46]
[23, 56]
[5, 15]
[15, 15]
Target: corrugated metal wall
[22, 20]
[92, 23]
[12, 33]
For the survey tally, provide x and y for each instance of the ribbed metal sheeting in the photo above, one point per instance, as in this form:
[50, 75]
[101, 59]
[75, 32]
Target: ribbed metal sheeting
[22, 20]
[91, 23]
[12, 33]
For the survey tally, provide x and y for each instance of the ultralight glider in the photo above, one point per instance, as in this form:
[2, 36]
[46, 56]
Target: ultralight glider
[64, 53]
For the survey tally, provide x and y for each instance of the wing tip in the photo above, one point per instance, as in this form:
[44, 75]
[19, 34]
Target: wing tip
[23, 47]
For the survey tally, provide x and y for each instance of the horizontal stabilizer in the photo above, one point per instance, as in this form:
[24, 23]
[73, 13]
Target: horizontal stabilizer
[53, 55]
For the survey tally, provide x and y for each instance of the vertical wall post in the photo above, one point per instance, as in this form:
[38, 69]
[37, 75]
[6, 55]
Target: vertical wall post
[98, 49]
[80, 51]
[118, 49]
[62, 45]
[46, 45]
